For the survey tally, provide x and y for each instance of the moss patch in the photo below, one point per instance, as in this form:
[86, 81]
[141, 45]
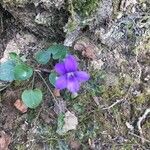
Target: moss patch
[16, 2]
[85, 7]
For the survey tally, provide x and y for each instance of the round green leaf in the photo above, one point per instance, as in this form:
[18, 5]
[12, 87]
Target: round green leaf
[32, 98]
[13, 55]
[61, 54]
[7, 71]
[52, 78]
[53, 49]
[58, 51]
[42, 57]
[22, 72]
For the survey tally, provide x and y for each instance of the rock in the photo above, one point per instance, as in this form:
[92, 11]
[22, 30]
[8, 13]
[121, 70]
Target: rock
[42, 17]
[57, 3]
[104, 12]
[71, 121]
[23, 43]
[97, 64]
[11, 47]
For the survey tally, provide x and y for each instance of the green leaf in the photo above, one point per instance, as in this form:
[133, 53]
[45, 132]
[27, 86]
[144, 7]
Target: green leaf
[13, 55]
[61, 54]
[16, 58]
[60, 123]
[7, 71]
[52, 78]
[32, 98]
[22, 72]
[53, 49]
[43, 57]
[58, 51]
[23, 58]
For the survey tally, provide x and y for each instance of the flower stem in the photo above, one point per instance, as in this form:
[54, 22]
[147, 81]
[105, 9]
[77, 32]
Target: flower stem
[38, 72]
[33, 79]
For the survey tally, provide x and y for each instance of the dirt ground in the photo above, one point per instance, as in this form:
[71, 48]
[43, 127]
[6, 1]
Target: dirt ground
[111, 40]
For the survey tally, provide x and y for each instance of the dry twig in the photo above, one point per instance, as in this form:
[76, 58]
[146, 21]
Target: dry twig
[139, 137]
[119, 100]
[115, 103]
[147, 111]
[55, 99]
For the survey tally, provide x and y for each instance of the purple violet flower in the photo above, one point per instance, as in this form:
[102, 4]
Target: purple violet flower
[70, 77]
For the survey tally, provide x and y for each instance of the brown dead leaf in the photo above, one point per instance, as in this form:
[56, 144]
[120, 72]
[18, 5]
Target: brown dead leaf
[4, 141]
[87, 48]
[56, 92]
[20, 106]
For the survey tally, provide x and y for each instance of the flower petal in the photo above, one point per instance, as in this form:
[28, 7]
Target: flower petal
[60, 68]
[82, 76]
[61, 82]
[70, 64]
[73, 84]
